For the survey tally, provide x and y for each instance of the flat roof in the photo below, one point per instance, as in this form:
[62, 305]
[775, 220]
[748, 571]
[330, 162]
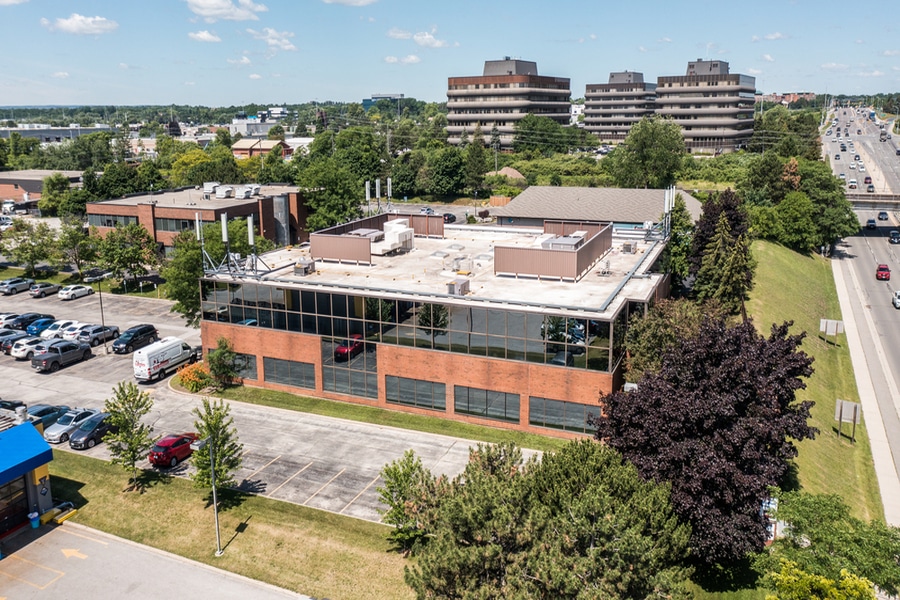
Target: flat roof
[194, 198]
[423, 274]
[36, 174]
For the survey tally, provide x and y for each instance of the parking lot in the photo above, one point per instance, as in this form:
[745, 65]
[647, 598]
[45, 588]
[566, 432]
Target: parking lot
[320, 462]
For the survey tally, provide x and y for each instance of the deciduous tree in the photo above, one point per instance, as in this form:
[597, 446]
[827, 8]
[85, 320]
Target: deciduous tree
[331, 193]
[30, 243]
[129, 439]
[716, 420]
[127, 249]
[215, 424]
[221, 363]
[75, 243]
[650, 156]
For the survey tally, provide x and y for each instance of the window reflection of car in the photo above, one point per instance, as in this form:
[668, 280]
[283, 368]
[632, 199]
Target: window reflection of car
[563, 359]
[348, 348]
[249, 322]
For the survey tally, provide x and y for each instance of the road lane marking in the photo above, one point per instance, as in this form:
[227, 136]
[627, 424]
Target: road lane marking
[316, 493]
[71, 552]
[355, 498]
[288, 479]
[262, 467]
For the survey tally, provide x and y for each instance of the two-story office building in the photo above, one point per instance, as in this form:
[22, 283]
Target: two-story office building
[517, 327]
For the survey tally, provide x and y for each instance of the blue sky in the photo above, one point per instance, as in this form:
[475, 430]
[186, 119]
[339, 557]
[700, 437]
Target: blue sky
[234, 52]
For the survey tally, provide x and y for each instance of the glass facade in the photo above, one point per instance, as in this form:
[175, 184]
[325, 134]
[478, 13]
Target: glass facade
[13, 504]
[110, 220]
[289, 372]
[506, 333]
[559, 414]
[486, 403]
[246, 366]
[415, 392]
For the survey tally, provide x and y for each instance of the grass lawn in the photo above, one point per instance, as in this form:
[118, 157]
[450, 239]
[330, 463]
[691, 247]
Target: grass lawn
[309, 551]
[110, 286]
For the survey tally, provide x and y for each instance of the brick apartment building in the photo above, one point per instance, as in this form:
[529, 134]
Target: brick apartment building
[278, 211]
[520, 328]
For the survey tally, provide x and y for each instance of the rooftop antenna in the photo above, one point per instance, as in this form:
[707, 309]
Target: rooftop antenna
[253, 259]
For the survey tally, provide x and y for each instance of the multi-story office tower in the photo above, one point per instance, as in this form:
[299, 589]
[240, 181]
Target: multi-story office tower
[713, 107]
[508, 90]
[612, 108]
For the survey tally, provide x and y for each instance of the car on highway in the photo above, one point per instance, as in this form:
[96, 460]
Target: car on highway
[97, 334]
[47, 413]
[856, 157]
[170, 450]
[883, 216]
[449, 218]
[60, 354]
[134, 338]
[895, 298]
[862, 168]
[349, 347]
[871, 224]
[56, 329]
[14, 285]
[6, 343]
[883, 272]
[25, 348]
[71, 292]
[837, 157]
[91, 432]
[42, 289]
[426, 210]
[60, 431]
[24, 320]
[870, 189]
[851, 184]
[868, 179]
[894, 237]
[37, 327]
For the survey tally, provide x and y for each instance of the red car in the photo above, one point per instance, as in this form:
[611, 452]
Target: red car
[883, 273]
[349, 348]
[172, 449]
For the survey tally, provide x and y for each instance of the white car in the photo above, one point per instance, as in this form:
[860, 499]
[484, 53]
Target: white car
[70, 292]
[25, 348]
[862, 168]
[56, 329]
[895, 299]
[72, 332]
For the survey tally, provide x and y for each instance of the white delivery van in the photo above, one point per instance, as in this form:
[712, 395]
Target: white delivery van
[161, 358]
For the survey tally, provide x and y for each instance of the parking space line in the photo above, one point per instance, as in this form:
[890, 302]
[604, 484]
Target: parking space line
[355, 498]
[262, 467]
[316, 493]
[64, 530]
[33, 564]
[288, 479]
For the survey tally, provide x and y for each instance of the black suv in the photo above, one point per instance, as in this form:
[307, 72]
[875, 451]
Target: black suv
[134, 338]
[23, 321]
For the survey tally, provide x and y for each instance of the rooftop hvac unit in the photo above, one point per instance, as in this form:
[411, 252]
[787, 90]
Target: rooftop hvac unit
[210, 186]
[242, 192]
[458, 287]
[223, 191]
[304, 266]
[254, 189]
[628, 248]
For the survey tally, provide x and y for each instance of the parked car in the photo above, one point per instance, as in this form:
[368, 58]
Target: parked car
[72, 332]
[883, 273]
[60, 431]
[59, 354]
[135, 337]
[24, 320]
[47, 413]
[7, 343]
[5, 333]
[15, 285]
[55, 330]
[27, 347]
[43, 288]
[426, 210]
[6, 319]
[70, 292]
[97, 334]
[170, 450]
[91, 432]
[11, 404]
[92, 275]
[449, 218]
[348, 348]
[39, 326]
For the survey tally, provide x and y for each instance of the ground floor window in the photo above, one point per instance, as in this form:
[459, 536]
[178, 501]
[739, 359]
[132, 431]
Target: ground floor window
[350, 366]
[559, 414]
[289, 372]
[246, 366]
[486, 403]
[13, 504]
[415, 392]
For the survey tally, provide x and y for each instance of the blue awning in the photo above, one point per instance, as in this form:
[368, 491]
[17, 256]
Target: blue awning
[22, 449]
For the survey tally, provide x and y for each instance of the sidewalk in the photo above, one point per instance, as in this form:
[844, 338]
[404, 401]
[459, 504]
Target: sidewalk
[882, 455]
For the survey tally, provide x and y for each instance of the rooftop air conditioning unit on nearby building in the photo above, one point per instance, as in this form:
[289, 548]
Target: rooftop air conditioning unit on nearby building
[210, 186]
[242, 192]
[304, 266]
[458, 287]
[223, 191]
[628, 248]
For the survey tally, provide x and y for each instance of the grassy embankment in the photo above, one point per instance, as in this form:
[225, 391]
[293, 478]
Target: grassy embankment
[110, 286]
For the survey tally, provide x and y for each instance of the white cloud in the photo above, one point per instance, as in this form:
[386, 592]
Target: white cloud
[776, 36]
[593, 36]
[391, 59]
[754, 72]
[754, 39]
[60, 75]
[11, 2]
[242, 61]
[424, 38]
[891, 53]
[665, 40]
[123, 66]
[351, 2]
[227, 10]
[81, 25]
[834, 67]
[399, 34]
[190, 83]
[275, 40]
[255, 76]
[204, 36]
[641, 49]
[875, 73]
[409, 59]
[768, 58]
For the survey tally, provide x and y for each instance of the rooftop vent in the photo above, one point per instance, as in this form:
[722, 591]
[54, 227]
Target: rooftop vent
[210, 186]
[304, 266]
[458, 287]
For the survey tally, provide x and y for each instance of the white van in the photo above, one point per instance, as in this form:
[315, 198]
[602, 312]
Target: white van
[161, 358]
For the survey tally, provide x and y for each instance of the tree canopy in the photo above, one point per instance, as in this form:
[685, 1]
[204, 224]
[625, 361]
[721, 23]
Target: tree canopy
[650, 156]
[716, 420]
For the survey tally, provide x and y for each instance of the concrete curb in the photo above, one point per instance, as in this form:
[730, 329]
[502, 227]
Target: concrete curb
[885, 468]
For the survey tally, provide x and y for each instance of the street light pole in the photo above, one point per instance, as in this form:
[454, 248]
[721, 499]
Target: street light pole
[199, 445]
